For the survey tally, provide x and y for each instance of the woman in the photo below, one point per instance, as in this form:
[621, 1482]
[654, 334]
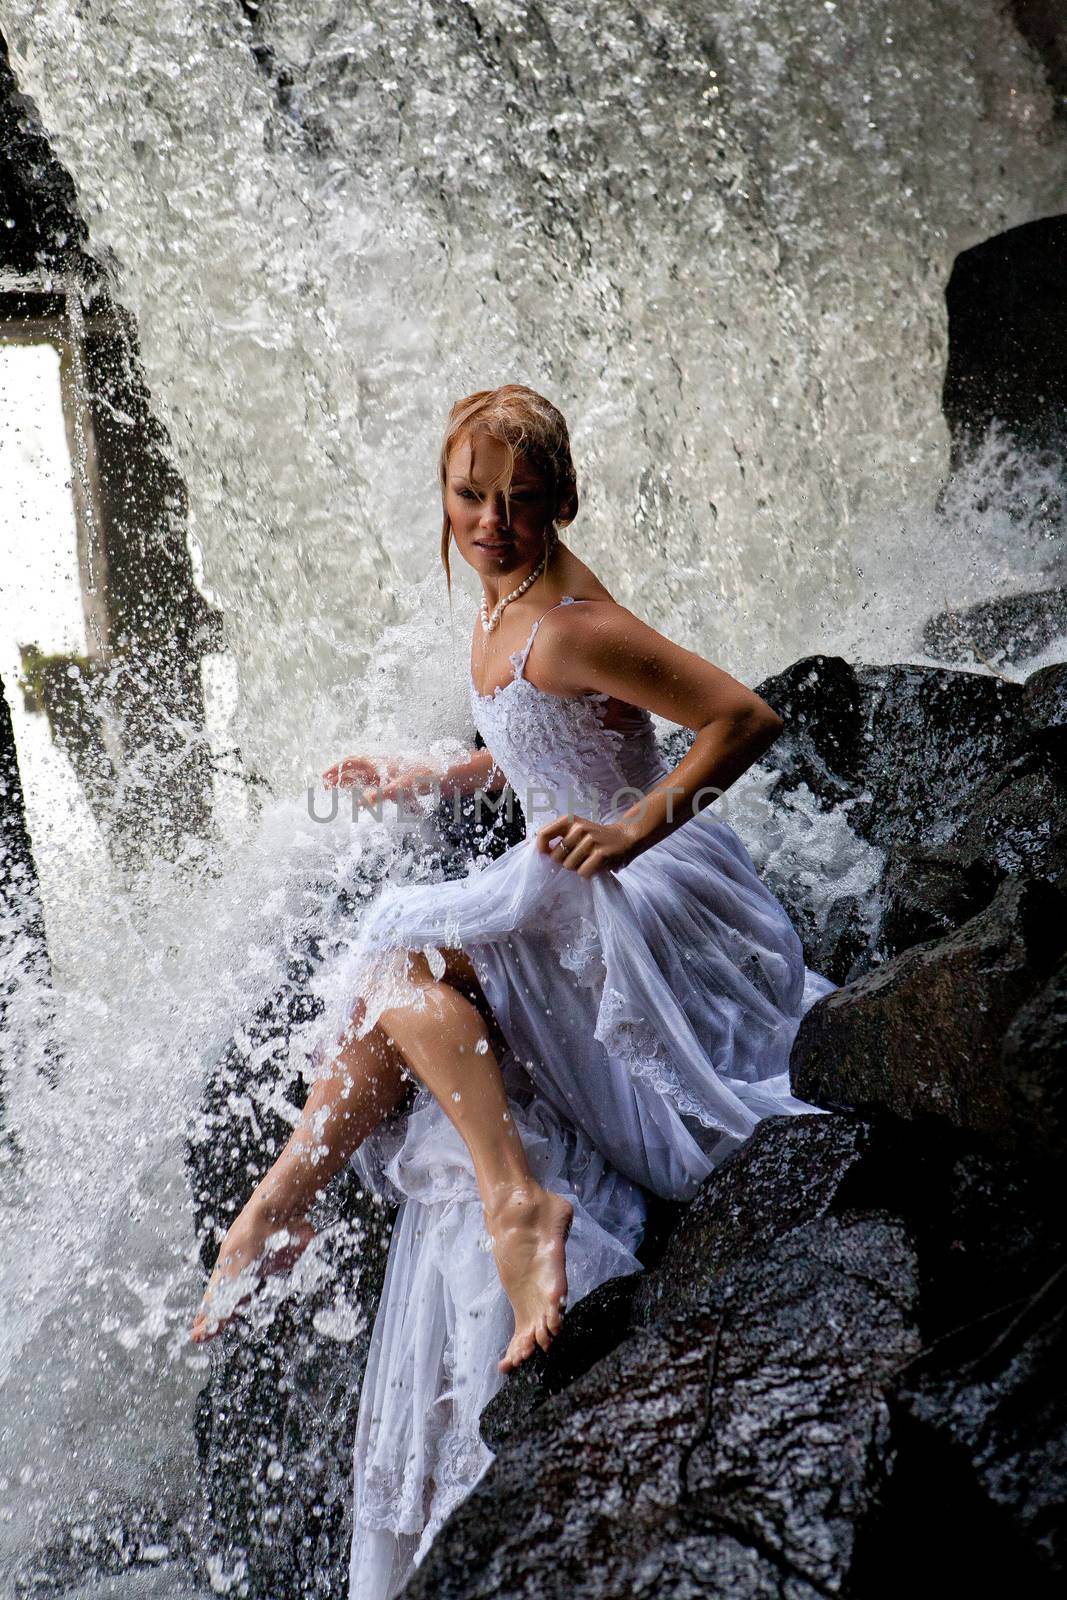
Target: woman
[605, 1010]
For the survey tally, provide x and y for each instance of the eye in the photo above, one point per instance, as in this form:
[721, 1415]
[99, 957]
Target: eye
[467, 494]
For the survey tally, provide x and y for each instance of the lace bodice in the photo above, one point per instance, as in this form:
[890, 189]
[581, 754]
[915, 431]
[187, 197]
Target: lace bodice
[556, 751]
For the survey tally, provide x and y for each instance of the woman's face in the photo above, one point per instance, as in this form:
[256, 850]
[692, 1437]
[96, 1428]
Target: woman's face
[486, 538]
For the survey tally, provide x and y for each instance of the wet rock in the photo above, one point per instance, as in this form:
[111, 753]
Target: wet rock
[930, 736]
[986, 1226]
[1007, 359]
[112, 1546]
[788, 1172]
[922, 1036]
[926, 894]
[1045, 710]
[1017, 823]
[1003, 631]
[590, 1331]
[620, 1482]
[915, 758]
[276, 1420]
[819, 701]
[1034, 1064]
[1016, 826]
[824, 1318]
[836, 938]
[733, 1448]
[903, 746]
[980, 1433]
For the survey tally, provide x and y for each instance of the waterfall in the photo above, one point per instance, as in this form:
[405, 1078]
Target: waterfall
[719, 237]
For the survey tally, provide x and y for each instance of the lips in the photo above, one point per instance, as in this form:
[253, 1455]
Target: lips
[495, 547]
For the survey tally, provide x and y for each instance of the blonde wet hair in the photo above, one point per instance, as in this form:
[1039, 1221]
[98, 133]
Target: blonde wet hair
[527, 425]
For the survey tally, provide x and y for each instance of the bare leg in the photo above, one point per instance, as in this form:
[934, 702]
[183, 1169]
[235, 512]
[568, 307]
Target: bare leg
[445, 1041]
[366, 1083]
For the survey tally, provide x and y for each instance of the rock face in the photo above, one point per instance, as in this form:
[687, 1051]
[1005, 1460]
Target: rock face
[1045, 710]
[1003, 631]
[1007, 339]
[1034, 1063]
[923, 1036]
[958, 777]
[792, 1372]
[874, 737]
[727, 1448]
[987, 1400]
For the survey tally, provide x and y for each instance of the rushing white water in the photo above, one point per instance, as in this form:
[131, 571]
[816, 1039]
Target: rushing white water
[718, 235]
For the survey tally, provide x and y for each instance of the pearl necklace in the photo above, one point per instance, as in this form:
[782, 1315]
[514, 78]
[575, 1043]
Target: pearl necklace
[489, 622]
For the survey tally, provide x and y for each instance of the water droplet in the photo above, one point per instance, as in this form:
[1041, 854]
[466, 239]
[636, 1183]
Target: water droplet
[482, 1047]
[456, 1095]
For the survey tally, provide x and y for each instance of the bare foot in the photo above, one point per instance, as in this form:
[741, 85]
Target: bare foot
[529, 1231]
[251, 1251]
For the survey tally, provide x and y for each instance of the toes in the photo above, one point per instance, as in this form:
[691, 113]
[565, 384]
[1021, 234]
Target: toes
[514, 1355]
[520, 1349]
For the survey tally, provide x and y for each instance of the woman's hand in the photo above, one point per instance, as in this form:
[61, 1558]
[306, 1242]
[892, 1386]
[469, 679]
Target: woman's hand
[587, 847]
[406, 785]
[385, 779]
[352, 773]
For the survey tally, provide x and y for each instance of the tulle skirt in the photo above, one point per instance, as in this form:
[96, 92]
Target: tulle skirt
[649, 1014]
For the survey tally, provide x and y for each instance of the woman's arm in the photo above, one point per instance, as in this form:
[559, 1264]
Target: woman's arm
[467, 777]
[721, 751]
[610, 650]
[387, 779]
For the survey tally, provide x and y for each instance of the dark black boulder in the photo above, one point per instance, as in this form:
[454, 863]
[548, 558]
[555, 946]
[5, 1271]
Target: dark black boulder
[1045, 709]
[819, 700]
[979, 1429]
[591, 1329]
[790, 1171]
[939, 769]
[1034, 1064]
[1000, 632]
[903, 746]
[922, 1035]
[733, 1448]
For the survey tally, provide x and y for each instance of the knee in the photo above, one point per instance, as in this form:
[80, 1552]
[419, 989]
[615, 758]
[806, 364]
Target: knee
[353, 1030]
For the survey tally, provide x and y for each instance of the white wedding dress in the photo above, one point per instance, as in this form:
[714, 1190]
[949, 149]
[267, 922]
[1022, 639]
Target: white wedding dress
[649, 1013]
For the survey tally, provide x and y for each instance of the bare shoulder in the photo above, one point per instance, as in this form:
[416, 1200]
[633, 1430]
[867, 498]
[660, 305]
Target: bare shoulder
[599, 626]
[607, 648]
[594, 616]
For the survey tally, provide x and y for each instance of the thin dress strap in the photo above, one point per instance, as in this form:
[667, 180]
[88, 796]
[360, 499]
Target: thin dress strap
[519, 658]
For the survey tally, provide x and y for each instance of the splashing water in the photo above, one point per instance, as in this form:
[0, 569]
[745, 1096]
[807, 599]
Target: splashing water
[719, 237]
